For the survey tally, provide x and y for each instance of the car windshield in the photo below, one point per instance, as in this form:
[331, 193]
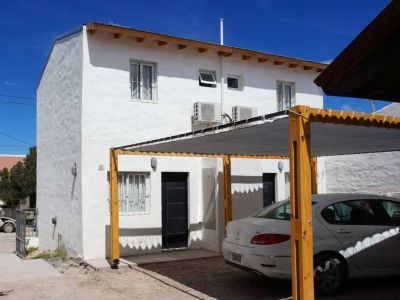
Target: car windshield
[278, 211]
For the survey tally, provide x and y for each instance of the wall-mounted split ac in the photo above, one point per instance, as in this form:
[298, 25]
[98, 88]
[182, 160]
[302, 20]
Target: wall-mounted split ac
[243, 112]
[206, 112]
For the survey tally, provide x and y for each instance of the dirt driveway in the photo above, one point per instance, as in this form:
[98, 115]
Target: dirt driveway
[213, 277]
[7, 242]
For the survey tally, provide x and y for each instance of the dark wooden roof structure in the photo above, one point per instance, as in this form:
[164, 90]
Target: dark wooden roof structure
[370, 66]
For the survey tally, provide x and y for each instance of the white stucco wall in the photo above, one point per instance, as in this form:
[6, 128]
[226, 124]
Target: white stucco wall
[59, 147]
[376, 173]
[72, 131]
[111, 118]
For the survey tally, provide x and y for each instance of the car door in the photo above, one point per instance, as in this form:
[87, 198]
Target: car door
[360, 226]
[388, 230]
[350, 222]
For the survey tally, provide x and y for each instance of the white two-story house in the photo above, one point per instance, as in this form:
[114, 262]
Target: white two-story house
[106, 86]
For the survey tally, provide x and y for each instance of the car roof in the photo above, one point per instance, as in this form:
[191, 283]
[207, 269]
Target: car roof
[332, 196]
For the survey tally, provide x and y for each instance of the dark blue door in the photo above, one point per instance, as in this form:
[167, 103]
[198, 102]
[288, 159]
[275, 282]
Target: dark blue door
[268, 189]
[175, 226]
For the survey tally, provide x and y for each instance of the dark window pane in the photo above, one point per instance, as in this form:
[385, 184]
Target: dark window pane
[357, 212]
[233, 83]
[207, 77]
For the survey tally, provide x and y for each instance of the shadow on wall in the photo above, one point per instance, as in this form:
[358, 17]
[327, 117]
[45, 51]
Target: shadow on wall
[247, 195]
[138, 241]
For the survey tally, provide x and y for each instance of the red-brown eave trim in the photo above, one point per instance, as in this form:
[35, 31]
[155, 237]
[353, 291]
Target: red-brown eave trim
[221, 50]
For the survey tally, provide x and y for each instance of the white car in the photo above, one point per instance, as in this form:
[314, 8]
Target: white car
[355, 235]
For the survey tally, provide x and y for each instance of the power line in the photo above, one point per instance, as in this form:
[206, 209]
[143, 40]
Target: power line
[17, 97]
[15, 138]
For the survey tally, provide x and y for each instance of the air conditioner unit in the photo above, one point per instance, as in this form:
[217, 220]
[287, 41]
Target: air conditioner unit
[205, 112]
[243, 112]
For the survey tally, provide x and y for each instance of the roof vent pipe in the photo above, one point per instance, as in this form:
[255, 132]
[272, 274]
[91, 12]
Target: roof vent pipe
[221, 31]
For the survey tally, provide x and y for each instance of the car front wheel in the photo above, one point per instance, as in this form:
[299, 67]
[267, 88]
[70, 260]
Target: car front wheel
[8, 228]
[329, 274]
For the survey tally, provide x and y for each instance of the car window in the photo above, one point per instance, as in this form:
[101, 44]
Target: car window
[393, 210]
[357, 212]
[280, 212]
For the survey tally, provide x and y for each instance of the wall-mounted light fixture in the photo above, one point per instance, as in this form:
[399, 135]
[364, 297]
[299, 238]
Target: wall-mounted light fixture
[153, 163]
[73, 170]
[280, 166]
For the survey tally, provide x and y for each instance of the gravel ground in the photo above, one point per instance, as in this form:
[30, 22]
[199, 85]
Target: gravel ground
[81, 283]
[7, 242]
[191, 279]
[213, 277]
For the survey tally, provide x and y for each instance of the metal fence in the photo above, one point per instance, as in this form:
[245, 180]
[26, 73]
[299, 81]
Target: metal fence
[24, 229]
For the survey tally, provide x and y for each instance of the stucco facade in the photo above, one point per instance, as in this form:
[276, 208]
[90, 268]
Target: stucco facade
[59, 147]
[104, 115]
[375, 173]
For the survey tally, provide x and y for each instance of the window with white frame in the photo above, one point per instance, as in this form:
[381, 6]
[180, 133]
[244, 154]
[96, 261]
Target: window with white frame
[207, 79]
[285, 92]
[234, 82]
[143, 81]
[134, 193]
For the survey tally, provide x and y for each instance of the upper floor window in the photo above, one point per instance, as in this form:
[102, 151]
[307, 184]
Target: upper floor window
[234, 82]
[143, 81]
[207, 79]
[285, 92]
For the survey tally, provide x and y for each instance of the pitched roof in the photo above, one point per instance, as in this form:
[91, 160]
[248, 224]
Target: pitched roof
[8, 161]
[221, 50]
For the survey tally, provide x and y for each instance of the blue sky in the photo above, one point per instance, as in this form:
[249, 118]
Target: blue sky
[316, 30]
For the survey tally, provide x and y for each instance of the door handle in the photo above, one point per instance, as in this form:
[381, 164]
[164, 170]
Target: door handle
[343, 231]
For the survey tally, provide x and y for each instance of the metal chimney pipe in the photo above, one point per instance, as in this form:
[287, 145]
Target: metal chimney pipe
[221, 30]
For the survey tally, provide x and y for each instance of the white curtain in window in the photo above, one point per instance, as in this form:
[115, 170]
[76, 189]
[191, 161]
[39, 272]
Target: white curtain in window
[135, 81]
[134, 193]
[284, 95]
[147, 78]
[122, 194]
[287, 96]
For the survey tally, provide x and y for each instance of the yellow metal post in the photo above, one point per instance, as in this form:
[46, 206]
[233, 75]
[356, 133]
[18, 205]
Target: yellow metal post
[300, 204]
[114, 208]
[227, 189]
[314, 175]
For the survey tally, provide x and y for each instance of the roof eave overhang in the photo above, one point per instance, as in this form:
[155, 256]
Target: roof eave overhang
[221, 50]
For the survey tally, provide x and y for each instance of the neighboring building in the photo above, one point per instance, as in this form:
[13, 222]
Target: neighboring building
[8, 161]
[376, 173]
[106, 86]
